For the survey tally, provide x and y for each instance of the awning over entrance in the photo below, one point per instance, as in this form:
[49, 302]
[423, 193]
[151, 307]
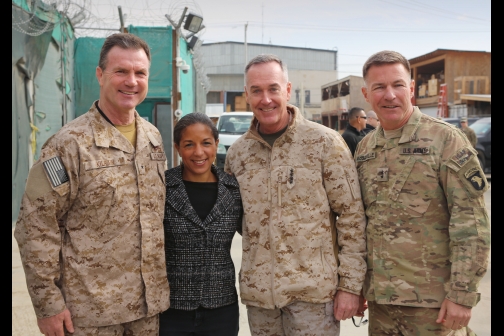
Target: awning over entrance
[477, 97]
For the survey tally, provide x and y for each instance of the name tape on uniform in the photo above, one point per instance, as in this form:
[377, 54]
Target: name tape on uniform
[158, 156]
[365, 157]
[118, 161]
[414, 151]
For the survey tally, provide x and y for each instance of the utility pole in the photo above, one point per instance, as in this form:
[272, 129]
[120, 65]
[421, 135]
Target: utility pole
[121, 19]
[175, 94]
[194, 25]
[246, 55]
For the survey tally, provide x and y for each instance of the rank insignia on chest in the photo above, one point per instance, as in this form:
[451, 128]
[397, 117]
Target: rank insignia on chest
[473, 175]
[382, 175]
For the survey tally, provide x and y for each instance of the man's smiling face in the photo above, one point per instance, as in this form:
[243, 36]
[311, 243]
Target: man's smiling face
[389, 89]
[124, 81]
[268, 91]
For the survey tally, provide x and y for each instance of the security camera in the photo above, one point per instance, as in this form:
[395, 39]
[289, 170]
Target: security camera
[182, 65]
[185, 68]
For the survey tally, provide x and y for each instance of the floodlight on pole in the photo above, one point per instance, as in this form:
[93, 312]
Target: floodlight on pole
[193, 23]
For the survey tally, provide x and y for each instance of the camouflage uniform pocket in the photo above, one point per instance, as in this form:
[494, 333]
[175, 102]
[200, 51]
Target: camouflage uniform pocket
[367, 182]
[97, 193]
[414, 188]
[97, 197]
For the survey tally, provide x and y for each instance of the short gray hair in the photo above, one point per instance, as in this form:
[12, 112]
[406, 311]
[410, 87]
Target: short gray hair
[371, 114]
[385, 57]
[266, 58]
[123, 41]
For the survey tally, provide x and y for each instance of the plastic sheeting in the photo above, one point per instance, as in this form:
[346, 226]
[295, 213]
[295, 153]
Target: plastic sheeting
[160, 74]
[36, 96]
[86, 56]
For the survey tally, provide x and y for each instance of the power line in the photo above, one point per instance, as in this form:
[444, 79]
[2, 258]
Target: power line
[335, 28]
[430, 12]
[437, 9]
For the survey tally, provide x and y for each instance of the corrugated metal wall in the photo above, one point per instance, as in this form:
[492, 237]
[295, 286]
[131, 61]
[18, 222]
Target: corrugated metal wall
[229, 57]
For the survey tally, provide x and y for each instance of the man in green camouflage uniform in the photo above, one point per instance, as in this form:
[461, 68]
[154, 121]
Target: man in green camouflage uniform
[90, 228]
[295, 176]
[468, 131]
[428, 232]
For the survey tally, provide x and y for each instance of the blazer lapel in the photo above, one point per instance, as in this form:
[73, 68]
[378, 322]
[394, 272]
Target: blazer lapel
[177, 197]
[225, 198]
[224, 201]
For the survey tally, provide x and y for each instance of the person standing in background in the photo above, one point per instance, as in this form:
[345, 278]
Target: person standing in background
[354, 130]
[372, 122]
[468, 131]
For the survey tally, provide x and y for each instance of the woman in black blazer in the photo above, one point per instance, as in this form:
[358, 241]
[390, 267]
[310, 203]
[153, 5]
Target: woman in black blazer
[203, 210]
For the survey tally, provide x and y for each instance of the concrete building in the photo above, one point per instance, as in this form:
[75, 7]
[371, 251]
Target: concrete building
[308, 70]
[465, 77]
[338, 97]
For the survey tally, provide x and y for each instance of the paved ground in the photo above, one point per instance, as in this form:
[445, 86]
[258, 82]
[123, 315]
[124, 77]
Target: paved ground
[24, 322]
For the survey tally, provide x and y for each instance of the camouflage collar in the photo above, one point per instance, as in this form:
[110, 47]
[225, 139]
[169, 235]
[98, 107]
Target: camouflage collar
[106, 135]
[408, 132]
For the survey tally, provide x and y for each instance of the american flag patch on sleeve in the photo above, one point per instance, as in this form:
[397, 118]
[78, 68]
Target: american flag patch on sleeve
[56, 171]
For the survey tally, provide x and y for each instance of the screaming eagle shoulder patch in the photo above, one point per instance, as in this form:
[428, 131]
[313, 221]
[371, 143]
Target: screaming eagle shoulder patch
[473, 176]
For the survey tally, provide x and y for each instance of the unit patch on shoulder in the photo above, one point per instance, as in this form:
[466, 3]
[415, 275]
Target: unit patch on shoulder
[462, 156]
[56, 171]
[473, 175]
[365, 157]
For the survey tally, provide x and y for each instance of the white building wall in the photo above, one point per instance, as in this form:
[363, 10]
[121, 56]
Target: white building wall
[308, 69]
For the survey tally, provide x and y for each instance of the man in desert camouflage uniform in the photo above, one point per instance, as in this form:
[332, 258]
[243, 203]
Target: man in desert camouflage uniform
[301, 270]
[428, 232]
[90, 228]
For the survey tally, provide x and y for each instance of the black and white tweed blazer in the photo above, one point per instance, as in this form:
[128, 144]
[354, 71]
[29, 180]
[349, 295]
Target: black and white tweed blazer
[198, 257]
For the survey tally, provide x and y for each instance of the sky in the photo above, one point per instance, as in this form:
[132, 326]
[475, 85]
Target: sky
[355, 28]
